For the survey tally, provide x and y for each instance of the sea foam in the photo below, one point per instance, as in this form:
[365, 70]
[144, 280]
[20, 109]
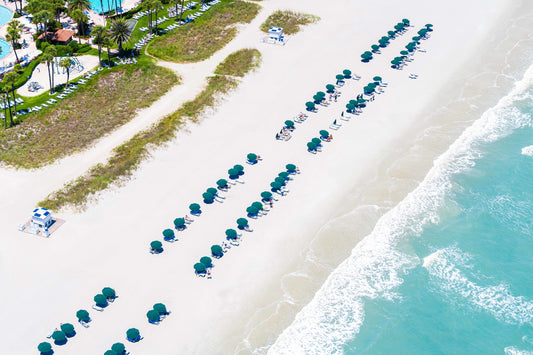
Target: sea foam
[444, 268]
[528, 150]
[375, 267]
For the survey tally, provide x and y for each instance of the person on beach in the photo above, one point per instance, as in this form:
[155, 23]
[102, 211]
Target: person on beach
[329, 138]
[335, 96]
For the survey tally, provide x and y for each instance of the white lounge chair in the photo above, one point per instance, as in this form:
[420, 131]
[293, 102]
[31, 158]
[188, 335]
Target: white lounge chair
[96, 308]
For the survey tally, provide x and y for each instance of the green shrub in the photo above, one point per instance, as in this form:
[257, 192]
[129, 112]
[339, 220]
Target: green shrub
[73, 46]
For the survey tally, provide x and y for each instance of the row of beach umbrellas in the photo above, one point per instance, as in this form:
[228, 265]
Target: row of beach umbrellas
[242, 223]
[384, 41]
[330, 88]
[411, 46]
[209, 196]
[67, 330]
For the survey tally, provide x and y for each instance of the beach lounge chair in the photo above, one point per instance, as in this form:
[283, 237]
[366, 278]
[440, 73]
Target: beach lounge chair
[96, 308]
[83, 323]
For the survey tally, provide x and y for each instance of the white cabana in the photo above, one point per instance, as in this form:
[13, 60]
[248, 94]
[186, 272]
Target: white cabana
[41, 217]
[275, 33]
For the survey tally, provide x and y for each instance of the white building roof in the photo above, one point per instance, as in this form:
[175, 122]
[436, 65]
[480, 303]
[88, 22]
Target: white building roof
[41, 213]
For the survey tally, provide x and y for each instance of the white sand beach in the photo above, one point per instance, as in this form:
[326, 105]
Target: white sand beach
[46, 280]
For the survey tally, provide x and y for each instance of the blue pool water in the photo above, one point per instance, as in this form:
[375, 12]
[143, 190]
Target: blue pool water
[96, 5]
[5, 15]
[448, 271]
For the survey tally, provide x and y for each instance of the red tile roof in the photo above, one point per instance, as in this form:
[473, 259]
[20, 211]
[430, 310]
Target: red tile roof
[59, 35]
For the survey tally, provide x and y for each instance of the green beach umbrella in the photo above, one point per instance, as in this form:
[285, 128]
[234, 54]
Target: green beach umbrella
[429, 25]
[82, 314]
[206, 261]
[266, 195]
[406, 22]
[222, 182]
[416, 38]
[321, 93]
[385, 39]
[366, 55]
[324, 133]
[216, 249]
[339, 77]
[108, 292]
[372, 85]
[231, 233]
[194, 207]
[330, 88]
[179, 222]
[100, 300]
[377, 78]
[119, 348]
[398, 27]
[375, 47]
[242, 222]
[233, 173]
[318, 98]
[352, 102]
[310, 105]
[311, 146]
[132, 333]
[160, 307]
[288, 123]
[284, 174]
[404, 52]
[199, 267]
[207, 196]
[67, 328]
[212, 191]
[238, 167]
[316, 141]
[257, 205]
[347, 73]
[153, 315]
[276, 185]
[422, 32]
[252, 210]
[168, 233]
[44, 347]
[280, 180]
[110, 352]
[350, 107]
[361, 101]
[156, 245]
[252, 156]
[59, 336]
[391, 33]
[290, 168]
[395, 62]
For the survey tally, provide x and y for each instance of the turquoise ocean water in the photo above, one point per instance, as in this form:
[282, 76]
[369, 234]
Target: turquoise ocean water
[447, 271]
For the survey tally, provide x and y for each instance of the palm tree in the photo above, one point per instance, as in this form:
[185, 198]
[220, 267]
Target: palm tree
[66, 63]
[147, 6]
[78, 16]
[156, 5]
[181, 10]
[120, 32]
[51, 53]
[14, 29]
[106, 41]
[5, 97]
[82, 5]
[10, 79]
[99, 33]
[44, 17]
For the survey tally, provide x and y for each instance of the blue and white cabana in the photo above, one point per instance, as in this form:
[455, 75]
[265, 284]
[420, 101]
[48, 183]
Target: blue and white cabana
[275, 34]
[41, 217]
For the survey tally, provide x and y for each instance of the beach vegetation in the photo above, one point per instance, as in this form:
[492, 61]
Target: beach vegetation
[13, 34]
[127, 157]
[119, 32]
[240, 62]
[290, 21]
[93, 110]
[200, 39]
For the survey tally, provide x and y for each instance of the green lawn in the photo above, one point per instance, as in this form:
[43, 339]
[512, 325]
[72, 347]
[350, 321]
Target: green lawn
[198, 40]
[290, 21]
[127, 157]
[93, 110]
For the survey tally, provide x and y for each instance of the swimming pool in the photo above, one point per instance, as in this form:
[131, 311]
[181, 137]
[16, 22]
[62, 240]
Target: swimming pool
[96, 5]
[6, 48]
[5, 17]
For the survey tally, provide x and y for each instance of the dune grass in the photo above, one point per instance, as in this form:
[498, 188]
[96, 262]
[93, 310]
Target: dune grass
[290, 21]
[199, 40]
[94, 110]
[127, 157]
[240, 63]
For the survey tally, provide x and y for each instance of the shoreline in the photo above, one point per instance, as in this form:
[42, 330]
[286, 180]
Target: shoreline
[245, 123]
